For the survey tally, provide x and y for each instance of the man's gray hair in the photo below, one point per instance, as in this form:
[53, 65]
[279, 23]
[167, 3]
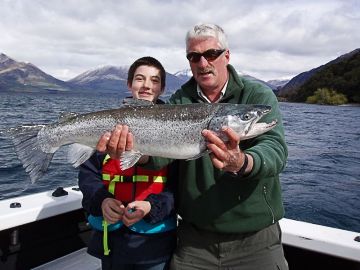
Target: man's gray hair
[204, 30]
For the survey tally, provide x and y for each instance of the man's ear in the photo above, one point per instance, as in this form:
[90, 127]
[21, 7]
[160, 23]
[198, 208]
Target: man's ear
[227, 55]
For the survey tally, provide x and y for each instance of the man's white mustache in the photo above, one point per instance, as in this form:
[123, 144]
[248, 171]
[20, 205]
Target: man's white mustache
[206, 70]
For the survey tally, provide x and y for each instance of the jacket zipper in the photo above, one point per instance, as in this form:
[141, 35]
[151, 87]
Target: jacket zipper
[269, 206]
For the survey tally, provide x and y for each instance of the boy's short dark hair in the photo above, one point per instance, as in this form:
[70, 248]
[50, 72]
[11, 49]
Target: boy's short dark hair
[147, 61]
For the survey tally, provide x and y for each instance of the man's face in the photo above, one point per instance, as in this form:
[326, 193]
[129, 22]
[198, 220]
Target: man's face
[210, 75]
[146, 83]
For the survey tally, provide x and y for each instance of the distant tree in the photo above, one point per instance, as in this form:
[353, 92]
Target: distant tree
[327, 96]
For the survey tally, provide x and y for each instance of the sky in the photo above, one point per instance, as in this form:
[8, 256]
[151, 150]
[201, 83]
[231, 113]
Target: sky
[267, 39]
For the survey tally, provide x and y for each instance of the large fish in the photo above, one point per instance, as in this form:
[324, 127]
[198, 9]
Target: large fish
[172, 131]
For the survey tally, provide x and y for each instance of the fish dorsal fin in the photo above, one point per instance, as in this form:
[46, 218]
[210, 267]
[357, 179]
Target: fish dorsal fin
[64, 116]
[136, 102]
[79, 153]
[129, 159]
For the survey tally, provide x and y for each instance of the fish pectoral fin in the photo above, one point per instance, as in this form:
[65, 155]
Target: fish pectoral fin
[129, 159]
[200, 155]
[79, 153]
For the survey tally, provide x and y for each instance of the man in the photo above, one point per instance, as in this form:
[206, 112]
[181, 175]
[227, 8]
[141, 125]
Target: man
[229, 201]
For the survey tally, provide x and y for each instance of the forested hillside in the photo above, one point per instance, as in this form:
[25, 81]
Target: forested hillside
[341, 75]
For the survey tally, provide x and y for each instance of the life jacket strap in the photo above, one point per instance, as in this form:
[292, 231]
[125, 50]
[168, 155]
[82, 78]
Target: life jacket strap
[105, 238]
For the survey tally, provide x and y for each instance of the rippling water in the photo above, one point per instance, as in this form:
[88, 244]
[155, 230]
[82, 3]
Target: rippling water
[321, 183]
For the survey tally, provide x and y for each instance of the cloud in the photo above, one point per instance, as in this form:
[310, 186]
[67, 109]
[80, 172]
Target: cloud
[268, 39]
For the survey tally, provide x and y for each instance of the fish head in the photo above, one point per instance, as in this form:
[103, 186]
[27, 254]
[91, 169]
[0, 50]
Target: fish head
[243, 119]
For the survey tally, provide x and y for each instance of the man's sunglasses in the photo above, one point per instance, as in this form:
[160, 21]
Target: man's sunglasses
[209, 55]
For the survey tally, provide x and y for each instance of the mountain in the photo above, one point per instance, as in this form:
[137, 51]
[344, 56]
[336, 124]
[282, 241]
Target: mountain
[341, 74]
[184, 74]
[102, 79]
[252, 78]
[174, 81]
[277, 84]
[25, 77]
[249, 77]
[6, 61]
[114, 79]
[295, 83]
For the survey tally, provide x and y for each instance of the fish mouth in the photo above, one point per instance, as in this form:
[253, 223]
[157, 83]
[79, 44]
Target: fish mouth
[259, 128]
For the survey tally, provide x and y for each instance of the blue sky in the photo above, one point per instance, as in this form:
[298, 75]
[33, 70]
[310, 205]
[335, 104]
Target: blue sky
[267, 39]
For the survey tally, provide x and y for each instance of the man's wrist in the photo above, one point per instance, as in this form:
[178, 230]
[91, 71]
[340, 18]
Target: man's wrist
[243, 168]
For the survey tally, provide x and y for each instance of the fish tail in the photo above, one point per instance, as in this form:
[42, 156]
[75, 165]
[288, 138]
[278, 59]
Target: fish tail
[28, 150]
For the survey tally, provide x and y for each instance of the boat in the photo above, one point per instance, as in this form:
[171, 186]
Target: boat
[49, 230]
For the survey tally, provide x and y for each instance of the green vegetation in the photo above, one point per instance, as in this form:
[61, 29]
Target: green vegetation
[342, 74]
[327, 96]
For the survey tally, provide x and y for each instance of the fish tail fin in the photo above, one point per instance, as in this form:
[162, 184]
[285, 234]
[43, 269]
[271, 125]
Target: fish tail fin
[28, 150]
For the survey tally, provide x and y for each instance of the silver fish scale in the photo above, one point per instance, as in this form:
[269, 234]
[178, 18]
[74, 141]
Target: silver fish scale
[85, 129]
[174, 132]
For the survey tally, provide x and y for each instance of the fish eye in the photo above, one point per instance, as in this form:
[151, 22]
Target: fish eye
[246, 117]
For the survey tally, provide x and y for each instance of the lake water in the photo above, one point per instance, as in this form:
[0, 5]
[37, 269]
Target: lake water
[321, 183]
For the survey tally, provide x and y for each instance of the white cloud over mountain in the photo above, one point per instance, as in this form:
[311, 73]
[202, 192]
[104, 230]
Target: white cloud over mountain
[268, 39]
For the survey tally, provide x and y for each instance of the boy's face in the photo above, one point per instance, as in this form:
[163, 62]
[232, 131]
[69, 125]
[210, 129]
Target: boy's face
[146, 83]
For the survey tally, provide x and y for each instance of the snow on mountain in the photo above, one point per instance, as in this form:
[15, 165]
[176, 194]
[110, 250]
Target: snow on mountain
[101, 73]
[184, 74]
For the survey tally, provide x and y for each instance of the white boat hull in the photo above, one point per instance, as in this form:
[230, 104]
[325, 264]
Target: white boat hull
[48, 232]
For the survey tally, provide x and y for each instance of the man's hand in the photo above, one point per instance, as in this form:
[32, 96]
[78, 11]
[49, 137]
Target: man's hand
[113, 210]
[116, 142]
[226, 156]
[135, 211]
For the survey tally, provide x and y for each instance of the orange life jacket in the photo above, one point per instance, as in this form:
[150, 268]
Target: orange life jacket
[135, 183]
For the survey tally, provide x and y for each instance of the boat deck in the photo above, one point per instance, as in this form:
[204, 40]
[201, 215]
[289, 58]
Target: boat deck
[79, 259]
